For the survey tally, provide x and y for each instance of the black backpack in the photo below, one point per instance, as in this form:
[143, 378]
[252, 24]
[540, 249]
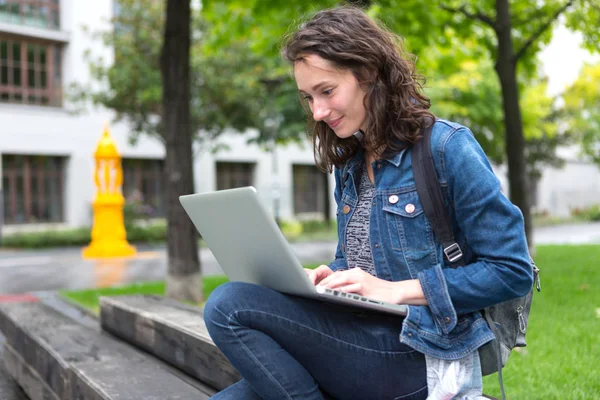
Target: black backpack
[507, 320]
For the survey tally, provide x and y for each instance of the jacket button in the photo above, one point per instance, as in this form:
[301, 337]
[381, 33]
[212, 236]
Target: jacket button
[447, 320]
[377, 245]
[409, 335]
[343, 248]
[410, 208]
[346, 209]
[393, 199]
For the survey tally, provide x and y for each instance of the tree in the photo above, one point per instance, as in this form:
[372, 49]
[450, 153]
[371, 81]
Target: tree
[224, 86]
[509, 34]
[224, 79]
[582, 110]
[456, 43]
[471, 96]
[519, 29]
[183, 279]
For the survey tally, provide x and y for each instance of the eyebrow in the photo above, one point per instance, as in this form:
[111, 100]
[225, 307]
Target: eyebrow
[317, 86]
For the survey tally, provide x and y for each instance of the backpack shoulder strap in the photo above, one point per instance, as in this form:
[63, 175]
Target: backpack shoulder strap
[432, 198]
[434, 207]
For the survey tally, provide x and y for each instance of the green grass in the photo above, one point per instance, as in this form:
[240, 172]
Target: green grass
[563, 336]
[89, 299]
[561, 361]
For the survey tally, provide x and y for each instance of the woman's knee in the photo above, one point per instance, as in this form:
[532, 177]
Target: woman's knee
[217, 303]
[225, 300]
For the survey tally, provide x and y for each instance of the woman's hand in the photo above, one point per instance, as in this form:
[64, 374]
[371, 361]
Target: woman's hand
[357, 281]
[318, 274]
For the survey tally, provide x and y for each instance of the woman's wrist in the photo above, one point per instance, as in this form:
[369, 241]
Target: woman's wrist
[409, 292]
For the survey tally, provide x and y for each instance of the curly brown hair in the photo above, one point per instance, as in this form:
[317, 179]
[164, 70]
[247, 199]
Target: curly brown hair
[396, 108]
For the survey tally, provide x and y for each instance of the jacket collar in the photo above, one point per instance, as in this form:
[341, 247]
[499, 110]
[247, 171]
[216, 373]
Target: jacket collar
[355, 162]
[397, 158]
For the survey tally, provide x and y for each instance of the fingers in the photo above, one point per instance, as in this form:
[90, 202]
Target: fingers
[312, 275]
[352, 288]
[322, 272]
[342, 278]
[318, 274]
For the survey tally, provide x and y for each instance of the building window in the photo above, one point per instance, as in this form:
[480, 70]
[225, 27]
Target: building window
[234, 174]
[144, 182]
[33, 188]
[311, 197]
[38, 13]
[30, 72]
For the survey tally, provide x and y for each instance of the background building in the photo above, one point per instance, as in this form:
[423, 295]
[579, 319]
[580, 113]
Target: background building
[47, 151]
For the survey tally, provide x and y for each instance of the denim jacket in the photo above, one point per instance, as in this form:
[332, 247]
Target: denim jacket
[487, 226]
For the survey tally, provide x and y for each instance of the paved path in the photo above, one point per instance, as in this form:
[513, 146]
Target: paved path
[568, 234]
[25, 271]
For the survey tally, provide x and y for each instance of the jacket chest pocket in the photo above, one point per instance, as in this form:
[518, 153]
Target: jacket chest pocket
[409, 229]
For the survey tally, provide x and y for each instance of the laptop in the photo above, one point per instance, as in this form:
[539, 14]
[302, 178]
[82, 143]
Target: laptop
[250, 247]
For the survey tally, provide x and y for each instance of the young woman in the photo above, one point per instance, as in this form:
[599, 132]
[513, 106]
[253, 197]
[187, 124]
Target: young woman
[354, 78]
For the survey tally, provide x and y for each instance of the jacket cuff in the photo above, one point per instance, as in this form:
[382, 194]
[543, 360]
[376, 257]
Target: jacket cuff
[436, 293]
[338, 264]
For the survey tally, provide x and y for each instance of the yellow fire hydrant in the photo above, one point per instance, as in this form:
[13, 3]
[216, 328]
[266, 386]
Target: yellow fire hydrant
[108, 232]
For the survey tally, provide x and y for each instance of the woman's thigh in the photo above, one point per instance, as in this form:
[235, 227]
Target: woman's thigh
[350, 353]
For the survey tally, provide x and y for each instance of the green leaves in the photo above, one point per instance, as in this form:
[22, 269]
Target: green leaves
[236, 48]
[582, 110]
[584, 17]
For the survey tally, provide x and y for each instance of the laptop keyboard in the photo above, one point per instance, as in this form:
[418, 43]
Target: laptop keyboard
[345, 295]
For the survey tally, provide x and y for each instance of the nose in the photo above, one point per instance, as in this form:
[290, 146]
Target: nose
[320, 110]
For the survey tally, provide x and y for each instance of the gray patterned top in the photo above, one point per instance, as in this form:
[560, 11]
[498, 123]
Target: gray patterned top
[358, 241]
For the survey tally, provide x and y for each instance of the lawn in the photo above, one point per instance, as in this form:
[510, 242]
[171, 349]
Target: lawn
[89, 299]
[563, 356]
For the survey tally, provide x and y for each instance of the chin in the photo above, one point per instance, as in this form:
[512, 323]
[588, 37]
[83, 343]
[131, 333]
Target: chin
[344, 133]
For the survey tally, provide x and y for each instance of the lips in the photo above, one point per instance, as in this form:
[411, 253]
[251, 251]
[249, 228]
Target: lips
[335, 122]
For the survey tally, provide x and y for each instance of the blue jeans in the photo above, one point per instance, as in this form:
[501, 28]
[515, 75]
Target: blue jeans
[287, 347]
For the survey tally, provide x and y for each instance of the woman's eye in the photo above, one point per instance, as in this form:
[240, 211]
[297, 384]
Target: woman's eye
[328, 92]
[307, 98]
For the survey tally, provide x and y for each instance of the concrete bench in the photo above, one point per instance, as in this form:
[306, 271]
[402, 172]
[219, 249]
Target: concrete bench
[9, 389]
[53, 357]
[170, 330]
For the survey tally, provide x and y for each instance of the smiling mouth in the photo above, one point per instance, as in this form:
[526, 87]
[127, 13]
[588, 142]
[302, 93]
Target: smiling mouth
[334, 123]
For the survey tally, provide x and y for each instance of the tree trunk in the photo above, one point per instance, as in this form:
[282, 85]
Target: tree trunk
[515, 141]
[183, 279]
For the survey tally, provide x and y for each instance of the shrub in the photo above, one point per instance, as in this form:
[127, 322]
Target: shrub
[591, 213]
[135, 209]
[154, 233]
[308, 229]
[314, 225]
[291, 229]
[50, 238]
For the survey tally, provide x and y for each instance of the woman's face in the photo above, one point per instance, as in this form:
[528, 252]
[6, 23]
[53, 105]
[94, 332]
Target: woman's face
[333, 95]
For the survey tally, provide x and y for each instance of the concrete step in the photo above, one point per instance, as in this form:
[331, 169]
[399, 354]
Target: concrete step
[170, 330]
[53, 357]
[9, 389]
[173, 332]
